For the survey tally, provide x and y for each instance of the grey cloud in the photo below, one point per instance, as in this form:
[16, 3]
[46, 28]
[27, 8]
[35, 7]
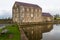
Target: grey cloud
[5, 14]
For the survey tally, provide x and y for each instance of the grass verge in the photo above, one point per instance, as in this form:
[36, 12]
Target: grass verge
[12, 34]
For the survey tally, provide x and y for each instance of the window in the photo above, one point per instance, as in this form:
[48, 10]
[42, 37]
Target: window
[32, 32]
[22, 15]
[15, 5]
[32, 10]
[30, 21]
[23, 20]
[39, 10]
[31, 14]
[16, 19]
[27, 9]
[48, 19]
[17, 10]
[35, 10]
[13, 10]
[22, 9]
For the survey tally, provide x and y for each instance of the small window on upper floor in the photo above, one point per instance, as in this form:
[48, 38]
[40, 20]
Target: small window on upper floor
[31, 9]
[39, 10]
[15, 5]
[17, 9]
[13, 10]
[22, 9]
[27, 9]
[35, 10]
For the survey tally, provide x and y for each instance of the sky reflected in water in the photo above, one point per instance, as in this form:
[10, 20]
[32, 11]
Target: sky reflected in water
[54, 34]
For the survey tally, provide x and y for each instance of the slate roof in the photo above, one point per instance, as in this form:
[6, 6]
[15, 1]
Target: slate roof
[27, 4]
[46, 14]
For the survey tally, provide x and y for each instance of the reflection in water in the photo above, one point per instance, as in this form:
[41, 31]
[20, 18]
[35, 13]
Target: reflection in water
[34, 32]
[54, 34]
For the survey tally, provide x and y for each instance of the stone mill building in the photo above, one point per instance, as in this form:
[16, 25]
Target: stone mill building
[26, 13]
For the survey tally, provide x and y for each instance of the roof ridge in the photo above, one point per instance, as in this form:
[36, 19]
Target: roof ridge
[27, 4]
[46, 14]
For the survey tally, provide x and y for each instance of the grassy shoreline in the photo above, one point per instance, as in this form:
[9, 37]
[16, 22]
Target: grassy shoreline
[12, 34]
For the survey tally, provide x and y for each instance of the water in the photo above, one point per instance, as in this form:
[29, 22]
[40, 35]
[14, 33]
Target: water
[42, 32]
[54, 34]
[2, 26]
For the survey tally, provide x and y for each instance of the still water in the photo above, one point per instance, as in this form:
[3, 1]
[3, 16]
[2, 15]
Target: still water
[42, 32]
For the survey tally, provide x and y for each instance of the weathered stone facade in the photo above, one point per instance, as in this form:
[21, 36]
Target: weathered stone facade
[47, 17]
[25, 12]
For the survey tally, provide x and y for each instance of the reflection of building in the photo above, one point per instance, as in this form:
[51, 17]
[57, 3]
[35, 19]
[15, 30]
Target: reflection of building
[34, 32]
[47, 28]
[25, 12]
[47, 17]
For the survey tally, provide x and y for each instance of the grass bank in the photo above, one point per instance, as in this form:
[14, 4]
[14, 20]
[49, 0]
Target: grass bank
[12, 34]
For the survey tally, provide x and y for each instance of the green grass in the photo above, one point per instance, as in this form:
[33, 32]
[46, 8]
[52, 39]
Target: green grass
[12, 29]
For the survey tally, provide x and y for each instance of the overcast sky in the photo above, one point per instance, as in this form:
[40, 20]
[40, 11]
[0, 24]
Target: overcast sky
[51, 6]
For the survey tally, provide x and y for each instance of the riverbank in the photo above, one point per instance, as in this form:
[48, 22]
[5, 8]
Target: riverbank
[12, 34]
[23, 36]
[5, 21]
[36, 23]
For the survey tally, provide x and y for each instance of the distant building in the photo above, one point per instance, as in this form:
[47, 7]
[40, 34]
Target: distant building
[47, 17]
[25, 12]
